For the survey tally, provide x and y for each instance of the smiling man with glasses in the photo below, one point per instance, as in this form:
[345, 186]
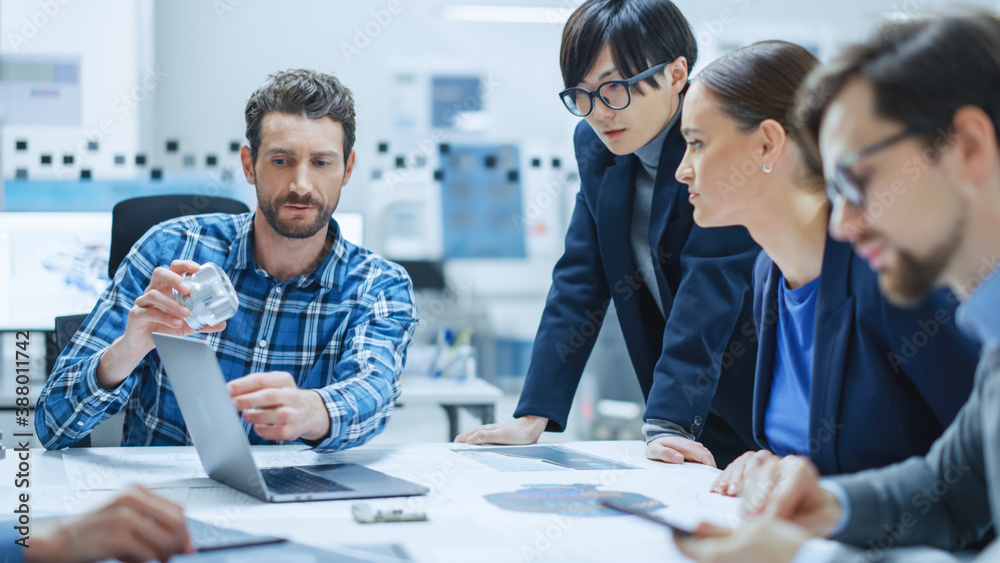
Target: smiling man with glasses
[682, 294]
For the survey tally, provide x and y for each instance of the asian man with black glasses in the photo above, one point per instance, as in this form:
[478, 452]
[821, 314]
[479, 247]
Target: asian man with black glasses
[682, 293]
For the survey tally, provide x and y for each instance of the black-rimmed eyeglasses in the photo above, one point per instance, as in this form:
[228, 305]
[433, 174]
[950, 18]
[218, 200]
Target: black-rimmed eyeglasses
[616, 94]
[846, 183]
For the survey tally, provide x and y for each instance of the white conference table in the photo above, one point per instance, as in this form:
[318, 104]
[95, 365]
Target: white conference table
[462, 525]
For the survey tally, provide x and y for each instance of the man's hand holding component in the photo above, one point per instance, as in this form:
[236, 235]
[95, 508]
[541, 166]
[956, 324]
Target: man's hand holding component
[155, 310]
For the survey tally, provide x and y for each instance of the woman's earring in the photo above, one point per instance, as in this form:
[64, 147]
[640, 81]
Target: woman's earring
[767, 168]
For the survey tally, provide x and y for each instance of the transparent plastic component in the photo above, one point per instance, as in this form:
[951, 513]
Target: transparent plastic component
[212, 299]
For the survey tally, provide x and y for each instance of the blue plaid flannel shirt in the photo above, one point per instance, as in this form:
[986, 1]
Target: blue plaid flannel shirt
[342, 330]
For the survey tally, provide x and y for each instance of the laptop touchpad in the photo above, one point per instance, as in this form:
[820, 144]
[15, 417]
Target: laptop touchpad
[342, 472]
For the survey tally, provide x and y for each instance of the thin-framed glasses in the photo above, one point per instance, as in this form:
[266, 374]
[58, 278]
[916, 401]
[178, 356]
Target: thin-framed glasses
[616, 94]
[846, 183]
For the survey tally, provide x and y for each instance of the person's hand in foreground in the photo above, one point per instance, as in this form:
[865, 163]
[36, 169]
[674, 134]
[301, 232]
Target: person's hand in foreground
[136, 526]
[785, 506]
[788, 489]
[524, 430]
[762, 540]
[729, 481]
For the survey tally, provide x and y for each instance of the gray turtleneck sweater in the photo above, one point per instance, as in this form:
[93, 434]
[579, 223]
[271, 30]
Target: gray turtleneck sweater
[642, 207]
[645, 255]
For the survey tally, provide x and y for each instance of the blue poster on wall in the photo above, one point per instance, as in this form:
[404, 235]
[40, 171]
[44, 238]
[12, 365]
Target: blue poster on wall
[102, 195]
[481, 201]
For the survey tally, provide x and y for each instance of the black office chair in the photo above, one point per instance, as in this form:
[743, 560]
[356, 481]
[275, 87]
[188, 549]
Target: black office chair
[130, 219]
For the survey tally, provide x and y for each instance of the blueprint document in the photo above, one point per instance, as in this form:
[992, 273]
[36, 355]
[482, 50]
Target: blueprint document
[539, 458]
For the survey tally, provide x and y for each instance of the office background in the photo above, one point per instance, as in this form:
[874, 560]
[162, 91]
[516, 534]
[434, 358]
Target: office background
[464, 154]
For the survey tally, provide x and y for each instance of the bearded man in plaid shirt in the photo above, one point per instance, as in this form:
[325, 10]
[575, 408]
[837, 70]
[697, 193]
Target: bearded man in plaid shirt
[314, 353]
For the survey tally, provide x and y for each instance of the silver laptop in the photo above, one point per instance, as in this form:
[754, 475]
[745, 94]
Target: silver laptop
[222, 445]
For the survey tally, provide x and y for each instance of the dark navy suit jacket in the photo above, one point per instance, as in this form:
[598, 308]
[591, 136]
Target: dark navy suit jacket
[703, 278]
[886, 381]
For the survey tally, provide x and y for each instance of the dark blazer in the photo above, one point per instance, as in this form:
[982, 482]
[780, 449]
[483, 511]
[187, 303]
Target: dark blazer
[702, 358]
[962, 466]
[886, 380]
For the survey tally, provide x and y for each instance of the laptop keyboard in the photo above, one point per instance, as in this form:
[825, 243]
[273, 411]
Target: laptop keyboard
[292, 480]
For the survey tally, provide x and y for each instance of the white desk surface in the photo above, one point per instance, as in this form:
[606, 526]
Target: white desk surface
[462, 525]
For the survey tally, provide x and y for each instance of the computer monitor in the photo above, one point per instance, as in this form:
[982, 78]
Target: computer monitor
[51, 264]
[56, 263]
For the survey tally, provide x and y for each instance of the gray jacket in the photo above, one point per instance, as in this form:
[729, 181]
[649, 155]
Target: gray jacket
[947, 499]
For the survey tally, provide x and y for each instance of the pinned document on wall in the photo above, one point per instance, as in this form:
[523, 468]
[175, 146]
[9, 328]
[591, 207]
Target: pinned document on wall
[40, 90]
